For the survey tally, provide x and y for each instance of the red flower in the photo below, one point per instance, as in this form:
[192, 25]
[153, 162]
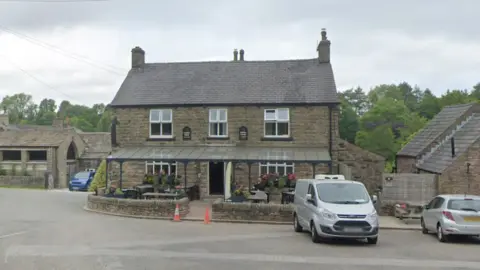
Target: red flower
[292, 177]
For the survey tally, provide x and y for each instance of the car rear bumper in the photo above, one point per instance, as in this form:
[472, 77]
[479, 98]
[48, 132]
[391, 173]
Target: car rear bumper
[77, 187]
[461, 229]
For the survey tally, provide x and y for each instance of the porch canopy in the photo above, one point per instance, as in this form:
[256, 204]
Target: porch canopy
[222, 153]
[235, 154]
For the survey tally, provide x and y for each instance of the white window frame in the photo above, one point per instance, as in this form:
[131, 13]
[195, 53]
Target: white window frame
[217, 120]
[285, 165]
[161, 164]
[276, 120]
[160, 121]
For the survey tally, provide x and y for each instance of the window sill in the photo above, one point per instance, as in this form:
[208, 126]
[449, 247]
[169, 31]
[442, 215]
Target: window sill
[160, 139]
[277, 139]
[218, 138]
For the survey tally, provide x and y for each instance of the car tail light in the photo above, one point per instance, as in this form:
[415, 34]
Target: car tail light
[448, 215]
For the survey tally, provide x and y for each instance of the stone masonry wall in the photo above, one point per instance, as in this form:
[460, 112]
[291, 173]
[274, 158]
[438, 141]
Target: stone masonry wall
[456, 180]
[22, 181]
[138, 208]
[366, 167]
[406, 164]
[308, 126]
[252, 212]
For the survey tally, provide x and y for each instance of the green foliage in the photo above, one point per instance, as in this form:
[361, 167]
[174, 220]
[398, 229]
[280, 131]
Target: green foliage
[22, 110]
[99, 178]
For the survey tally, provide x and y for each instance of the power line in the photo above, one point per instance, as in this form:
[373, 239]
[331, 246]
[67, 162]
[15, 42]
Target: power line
[108, 68]
[34, 77]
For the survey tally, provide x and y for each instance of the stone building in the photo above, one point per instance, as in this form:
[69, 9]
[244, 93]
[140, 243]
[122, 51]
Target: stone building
[448, 146]
[196, 118]
[32, 150]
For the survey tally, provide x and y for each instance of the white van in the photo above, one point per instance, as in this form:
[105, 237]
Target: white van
[335, 209]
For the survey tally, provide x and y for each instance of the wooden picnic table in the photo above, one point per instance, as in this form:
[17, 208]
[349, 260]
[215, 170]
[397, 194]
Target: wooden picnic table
[161, 195]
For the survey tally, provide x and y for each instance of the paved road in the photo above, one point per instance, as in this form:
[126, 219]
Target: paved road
[50, 230]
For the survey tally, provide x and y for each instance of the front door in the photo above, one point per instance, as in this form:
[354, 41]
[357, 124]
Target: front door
[216, 175]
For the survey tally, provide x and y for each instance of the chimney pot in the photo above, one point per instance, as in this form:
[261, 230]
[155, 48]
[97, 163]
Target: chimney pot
[242, 55]
[235, 55]
[138, 57]
[323, 48]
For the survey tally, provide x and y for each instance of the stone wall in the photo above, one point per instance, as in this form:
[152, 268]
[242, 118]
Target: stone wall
[365, 166]
[406, 164]
[138, 208]
[22, 181]
[256, 212]
[456, 179]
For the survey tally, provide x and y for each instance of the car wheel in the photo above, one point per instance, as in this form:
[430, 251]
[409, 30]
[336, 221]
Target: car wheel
[315, 237]
[440, 236]
[296, 225]
[424, 229]
[372, 240]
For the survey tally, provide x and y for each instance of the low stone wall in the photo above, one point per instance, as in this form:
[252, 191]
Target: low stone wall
[22, 181]
[138, 208]
[257, 212]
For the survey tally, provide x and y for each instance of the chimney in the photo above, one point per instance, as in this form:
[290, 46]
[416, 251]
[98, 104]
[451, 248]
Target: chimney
[242, 54]
[138, 57]
[58, 123]
[235, 55]
[452, 144]
[323, 48]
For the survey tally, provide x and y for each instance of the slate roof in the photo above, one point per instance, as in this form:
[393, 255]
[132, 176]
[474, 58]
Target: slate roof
[240, 82]
[32, 138]
[98, 144]
[463, 139]
[435, 127]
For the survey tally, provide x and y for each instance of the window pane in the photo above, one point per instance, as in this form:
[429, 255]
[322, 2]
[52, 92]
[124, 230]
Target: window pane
[155, 129]
[166, 115]
[222, 115]
[222, 129]
[270, 129]
[154, 115]
[289, 169]
[281, 170]
[157, 169]
[173, 168]
[149, 169]
[282, 129]
[213, 129]
[263, 169]
[167, 129]
[213, 115]
[282, 114]
[270, 115]
[272, 169]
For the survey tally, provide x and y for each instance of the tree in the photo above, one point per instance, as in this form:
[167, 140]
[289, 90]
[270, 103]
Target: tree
[348, 123]
[357, 99]
[99, 178]
[429, 105]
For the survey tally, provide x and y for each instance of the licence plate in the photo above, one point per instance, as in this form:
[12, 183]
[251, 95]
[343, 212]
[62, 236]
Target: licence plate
[75, 188]
[472, 219]
[352, 230]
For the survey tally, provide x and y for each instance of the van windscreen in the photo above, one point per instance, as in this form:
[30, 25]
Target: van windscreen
[342, 193]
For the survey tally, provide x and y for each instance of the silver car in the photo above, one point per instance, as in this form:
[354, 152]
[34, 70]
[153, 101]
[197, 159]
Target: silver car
[452, 215]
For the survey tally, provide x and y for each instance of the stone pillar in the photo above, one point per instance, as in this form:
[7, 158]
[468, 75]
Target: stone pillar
[24, 160]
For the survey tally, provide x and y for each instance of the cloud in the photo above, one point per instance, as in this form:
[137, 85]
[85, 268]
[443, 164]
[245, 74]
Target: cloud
[429, 43]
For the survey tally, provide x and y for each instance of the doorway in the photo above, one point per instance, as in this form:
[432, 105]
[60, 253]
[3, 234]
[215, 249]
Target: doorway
[216, 178]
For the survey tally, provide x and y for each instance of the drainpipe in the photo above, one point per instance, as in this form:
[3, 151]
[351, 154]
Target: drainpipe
[330, 135]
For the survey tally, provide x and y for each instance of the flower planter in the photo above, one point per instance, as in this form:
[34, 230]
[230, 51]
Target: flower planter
[237, 199]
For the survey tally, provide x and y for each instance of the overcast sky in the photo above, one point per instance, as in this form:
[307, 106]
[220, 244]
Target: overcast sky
[81, 51]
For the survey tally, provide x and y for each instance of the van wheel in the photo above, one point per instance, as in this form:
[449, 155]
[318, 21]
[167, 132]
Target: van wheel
[372, 240]
[315, 237]
[297, 227]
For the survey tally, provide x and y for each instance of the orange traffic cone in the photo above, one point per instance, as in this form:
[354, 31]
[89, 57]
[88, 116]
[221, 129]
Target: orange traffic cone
[176, 217]
[206, 219]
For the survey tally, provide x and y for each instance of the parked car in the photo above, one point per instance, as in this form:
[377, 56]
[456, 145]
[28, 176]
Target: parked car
[81, 180]
[452, 215]
[329, 208]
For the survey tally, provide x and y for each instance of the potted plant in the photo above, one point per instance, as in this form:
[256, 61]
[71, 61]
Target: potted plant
[239, 195]
[147, 179]
[292, 180]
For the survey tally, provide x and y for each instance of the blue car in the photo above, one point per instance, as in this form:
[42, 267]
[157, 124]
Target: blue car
[81, 181]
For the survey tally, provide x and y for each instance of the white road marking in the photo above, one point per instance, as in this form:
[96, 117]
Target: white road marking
[336, 261]
[12, 234]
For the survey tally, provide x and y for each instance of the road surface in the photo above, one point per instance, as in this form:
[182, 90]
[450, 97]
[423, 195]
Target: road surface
[50, 230]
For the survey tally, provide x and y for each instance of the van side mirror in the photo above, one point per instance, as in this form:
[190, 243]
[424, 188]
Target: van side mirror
[309, 198]
[374, 198]
[426, 206]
